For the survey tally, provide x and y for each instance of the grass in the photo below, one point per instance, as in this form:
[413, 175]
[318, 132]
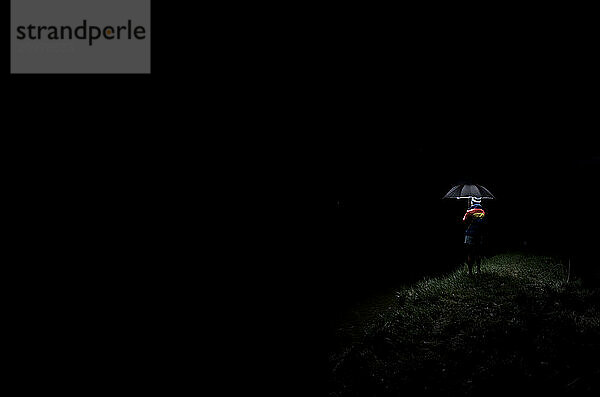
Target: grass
[517, 326]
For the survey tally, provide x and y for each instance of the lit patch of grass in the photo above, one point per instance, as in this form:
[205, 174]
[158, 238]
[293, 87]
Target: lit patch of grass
[516, 326]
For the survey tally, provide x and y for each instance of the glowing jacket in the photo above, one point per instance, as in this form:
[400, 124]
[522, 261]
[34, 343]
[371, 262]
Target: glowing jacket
[477, 213]
[474, 218]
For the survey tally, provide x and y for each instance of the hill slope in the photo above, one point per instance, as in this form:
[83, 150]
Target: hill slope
[518, 326]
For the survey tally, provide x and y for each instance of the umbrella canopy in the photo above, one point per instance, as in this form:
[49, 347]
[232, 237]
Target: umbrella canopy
[467, 191]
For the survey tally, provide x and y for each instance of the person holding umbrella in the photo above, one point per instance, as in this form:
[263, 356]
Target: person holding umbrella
[474, 219]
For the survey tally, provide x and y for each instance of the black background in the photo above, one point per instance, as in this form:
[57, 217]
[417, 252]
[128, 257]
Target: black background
[280, 164]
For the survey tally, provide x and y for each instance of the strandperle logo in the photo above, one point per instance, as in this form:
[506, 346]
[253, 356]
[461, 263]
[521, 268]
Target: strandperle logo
[80, 36]
[90, 33]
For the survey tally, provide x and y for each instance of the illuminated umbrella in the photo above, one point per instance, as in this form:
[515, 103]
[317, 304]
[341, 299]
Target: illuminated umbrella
[472, 192]
[468, 191]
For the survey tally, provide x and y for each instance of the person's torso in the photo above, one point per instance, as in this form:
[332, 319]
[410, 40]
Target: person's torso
[475, 224]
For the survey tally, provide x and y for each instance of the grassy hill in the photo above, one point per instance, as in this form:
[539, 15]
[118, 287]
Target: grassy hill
[517, 327]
